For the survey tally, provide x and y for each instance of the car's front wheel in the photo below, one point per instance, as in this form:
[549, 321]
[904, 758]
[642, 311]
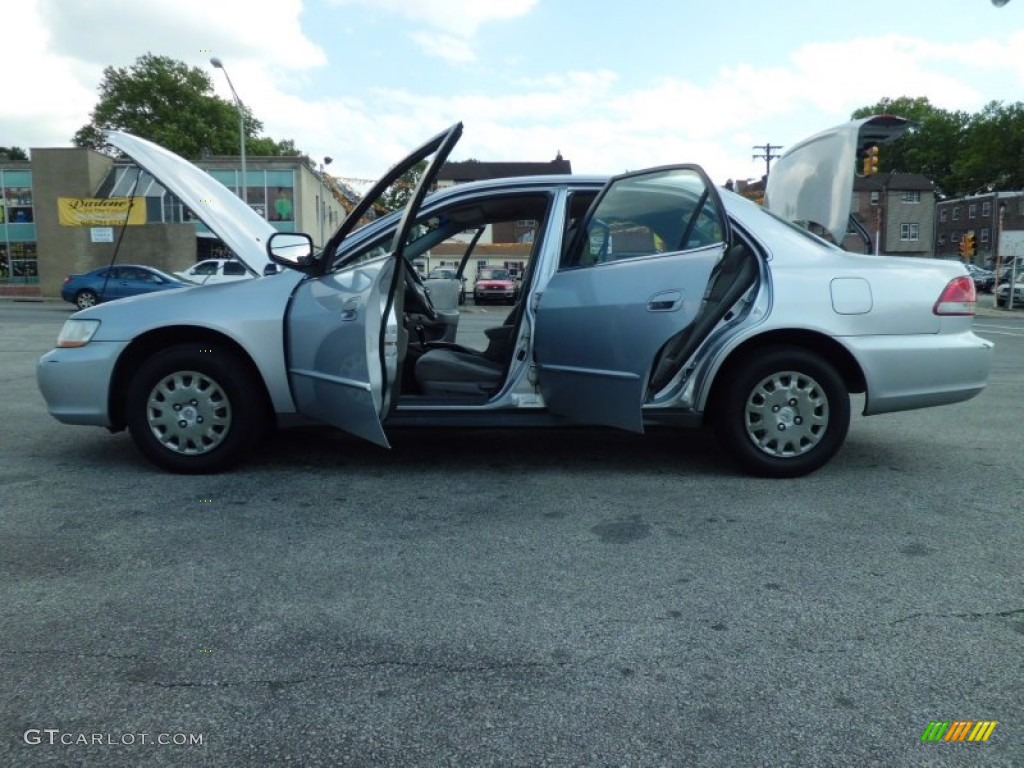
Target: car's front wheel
[194, 408]
[783, 412]
[86, 298]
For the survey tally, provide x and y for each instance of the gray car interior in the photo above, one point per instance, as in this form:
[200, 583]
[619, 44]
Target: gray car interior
[440, 368]
[453, 370]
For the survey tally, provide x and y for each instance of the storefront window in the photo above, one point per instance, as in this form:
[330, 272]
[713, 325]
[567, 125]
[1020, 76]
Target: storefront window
[18, 201]
[257, 198]
[18, 258]
[284, 206]
[19, 263]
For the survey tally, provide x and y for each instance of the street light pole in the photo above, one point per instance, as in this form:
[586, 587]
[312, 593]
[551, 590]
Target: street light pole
[241, 124]
[999, 238]
[323, 202]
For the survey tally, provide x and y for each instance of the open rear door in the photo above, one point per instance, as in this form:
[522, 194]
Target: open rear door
[632, 279]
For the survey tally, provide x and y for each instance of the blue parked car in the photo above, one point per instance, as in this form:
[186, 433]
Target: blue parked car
[109, 283]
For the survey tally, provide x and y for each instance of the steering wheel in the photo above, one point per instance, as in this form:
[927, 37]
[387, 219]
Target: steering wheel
[414, 282]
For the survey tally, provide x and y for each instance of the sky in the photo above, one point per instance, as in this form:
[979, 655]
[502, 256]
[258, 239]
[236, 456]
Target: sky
[613, 86]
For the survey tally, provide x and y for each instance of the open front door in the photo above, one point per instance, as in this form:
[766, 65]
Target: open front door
[632, 278]
[344, 330]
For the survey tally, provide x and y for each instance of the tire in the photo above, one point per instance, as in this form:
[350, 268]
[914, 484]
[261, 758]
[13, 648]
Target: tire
[807, 401]
[222, 409]
[86, 298]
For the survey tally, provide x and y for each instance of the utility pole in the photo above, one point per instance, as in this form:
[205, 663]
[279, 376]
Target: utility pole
[767, 155]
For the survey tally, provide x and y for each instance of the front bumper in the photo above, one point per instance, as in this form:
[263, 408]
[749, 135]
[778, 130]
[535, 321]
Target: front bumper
[494, 294]
[75, 382]
[908, 372]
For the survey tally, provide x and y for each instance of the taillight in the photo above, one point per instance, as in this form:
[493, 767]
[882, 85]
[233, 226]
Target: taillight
[67, 279]
[958, 298]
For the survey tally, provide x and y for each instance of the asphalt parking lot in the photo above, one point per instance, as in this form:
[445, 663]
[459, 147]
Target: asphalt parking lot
[583, 597]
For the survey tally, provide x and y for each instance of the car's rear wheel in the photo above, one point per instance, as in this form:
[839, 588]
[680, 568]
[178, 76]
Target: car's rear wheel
[194, 408]
[783, 412]
[86, 298]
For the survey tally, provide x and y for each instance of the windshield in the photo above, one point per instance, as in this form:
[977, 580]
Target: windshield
[493, 274]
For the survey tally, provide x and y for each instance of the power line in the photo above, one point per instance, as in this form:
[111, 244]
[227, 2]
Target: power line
[767, 155]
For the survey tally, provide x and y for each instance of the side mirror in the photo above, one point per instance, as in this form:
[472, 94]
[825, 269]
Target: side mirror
[271, 269]
[291, 249]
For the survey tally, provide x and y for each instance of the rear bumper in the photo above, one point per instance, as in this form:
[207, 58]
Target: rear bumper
[76, 382]
[908, 372]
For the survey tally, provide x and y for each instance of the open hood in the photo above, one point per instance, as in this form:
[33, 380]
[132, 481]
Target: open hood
[813, 181]
[242, 229]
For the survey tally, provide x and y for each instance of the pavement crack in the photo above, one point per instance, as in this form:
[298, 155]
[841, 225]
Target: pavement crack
[73, 654]
[231, 683]
[446, 668]
[966, 615]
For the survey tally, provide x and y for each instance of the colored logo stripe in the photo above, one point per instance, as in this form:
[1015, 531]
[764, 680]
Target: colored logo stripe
[959, 730]
[982, 730]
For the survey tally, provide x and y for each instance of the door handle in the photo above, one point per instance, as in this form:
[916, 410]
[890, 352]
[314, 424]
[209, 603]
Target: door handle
[351, 310]
[665, 301]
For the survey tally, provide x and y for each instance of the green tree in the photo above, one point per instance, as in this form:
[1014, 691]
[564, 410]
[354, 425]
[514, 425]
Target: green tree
[13, 153]
[173, 105]
[398, 194]
[962, 153]
[993, 151]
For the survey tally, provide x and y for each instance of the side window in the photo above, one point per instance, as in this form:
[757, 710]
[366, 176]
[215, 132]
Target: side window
[205, 268]
[644, 214]
[234, 268]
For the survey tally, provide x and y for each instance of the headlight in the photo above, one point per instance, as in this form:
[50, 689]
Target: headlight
[77, 333]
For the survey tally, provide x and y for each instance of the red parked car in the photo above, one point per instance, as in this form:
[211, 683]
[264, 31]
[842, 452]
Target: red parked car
[494, 285]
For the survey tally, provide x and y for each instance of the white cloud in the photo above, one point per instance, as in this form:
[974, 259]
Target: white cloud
[450, 25]
[47, 95]
[459, 17]
[602, 126]
[62, 46]
[595, 117]
[118, 31]
[453, 49]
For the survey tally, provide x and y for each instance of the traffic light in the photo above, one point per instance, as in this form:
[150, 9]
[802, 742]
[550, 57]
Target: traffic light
[968, 246]
[870, 161]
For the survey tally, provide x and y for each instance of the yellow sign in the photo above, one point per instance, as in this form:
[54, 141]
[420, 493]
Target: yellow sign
[101, 212]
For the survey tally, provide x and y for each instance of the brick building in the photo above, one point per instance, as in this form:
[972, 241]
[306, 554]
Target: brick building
[979, 214]
[897, 210]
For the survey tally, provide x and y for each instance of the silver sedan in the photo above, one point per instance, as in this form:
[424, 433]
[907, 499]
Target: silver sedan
[651, 298]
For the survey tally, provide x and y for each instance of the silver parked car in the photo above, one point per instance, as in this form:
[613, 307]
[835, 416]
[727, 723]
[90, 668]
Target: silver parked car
[650, 298]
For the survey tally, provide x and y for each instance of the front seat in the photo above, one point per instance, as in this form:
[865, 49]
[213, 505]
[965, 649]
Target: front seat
[452, 372]
[447, 368]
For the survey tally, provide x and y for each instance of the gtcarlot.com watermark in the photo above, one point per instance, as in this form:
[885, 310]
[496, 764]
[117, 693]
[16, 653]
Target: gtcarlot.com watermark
[55, 736]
